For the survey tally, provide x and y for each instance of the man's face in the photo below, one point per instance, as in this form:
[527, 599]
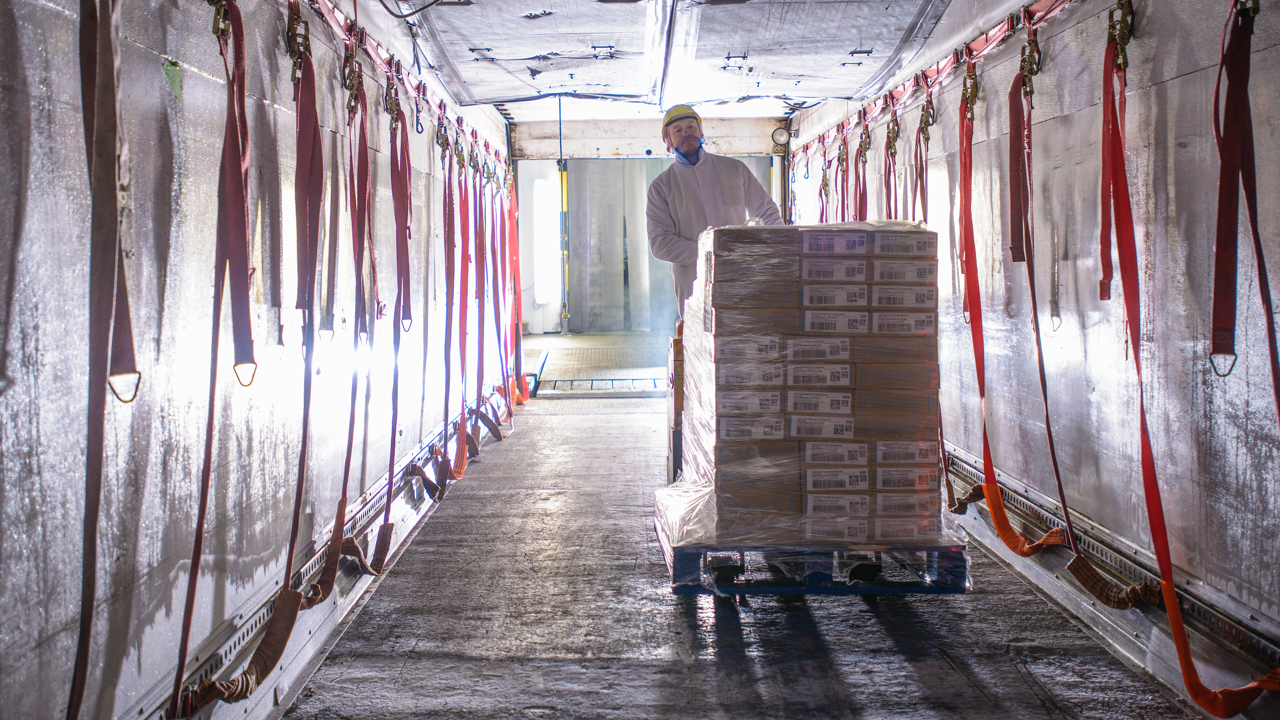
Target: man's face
[683, 135]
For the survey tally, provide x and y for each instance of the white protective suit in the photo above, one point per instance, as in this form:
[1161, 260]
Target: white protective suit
[687, 199]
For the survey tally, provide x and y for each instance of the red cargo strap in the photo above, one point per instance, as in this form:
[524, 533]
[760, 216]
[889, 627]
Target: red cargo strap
[920, 184]
[973, 297]
[860, 173]
[890, 175]
[231, 267]
[1115, 183]
[450, 264]
[1234, 135]
[110, 330]
[517, 330]
[401, 183]
[462, 449]
[481, 231]
[842, 165]
[498, 287]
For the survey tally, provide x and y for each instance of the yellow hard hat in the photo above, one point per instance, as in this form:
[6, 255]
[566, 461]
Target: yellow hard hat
[679, 112]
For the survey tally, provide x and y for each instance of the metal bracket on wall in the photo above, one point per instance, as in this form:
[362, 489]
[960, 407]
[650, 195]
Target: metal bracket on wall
[1126, 563]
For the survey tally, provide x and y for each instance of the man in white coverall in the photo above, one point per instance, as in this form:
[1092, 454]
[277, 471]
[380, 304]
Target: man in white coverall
[698, 191]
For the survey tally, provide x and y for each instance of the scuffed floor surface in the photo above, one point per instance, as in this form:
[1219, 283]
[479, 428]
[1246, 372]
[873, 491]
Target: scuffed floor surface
[538, 590]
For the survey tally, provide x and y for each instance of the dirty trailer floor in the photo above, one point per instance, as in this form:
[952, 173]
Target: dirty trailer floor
[538, 590]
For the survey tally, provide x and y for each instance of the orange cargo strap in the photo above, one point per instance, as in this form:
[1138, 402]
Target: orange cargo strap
[231, 267]
[890, 175]
[110, 331]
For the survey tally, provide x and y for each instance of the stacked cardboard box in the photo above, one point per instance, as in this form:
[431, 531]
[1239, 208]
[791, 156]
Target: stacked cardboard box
[811, 383]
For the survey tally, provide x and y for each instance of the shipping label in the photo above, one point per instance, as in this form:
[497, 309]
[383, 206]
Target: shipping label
[834, 295]
[748, 402]
[899, 296]
[916, 504]
[907, 452]
[837, 269]
[856, 505]
[821, 427]
[828, 479]
[800, 401]
[836, 243]
[750, 374]
[848, 531]
[838, 375]
[889, 243]
[908, 529]
[750, 429]
[900, 323]
[762, 348]
[836, 322]
[907, 478]
[821, 453]
[818, 349]
[925, 271]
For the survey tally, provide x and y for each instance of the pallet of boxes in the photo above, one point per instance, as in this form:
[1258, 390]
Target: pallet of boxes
[811, 415]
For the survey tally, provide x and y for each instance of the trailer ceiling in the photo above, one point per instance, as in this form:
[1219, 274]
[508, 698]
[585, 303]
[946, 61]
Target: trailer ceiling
[626, 59]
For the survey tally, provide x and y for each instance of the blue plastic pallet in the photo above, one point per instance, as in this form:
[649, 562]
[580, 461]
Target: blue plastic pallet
[941, 569]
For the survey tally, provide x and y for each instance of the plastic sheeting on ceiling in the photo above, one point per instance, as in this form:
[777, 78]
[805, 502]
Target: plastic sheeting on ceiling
[658, 52]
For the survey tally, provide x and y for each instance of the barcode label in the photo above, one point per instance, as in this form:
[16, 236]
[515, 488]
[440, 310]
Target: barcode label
[801, 406]
[819, 402]
[804, 427]
[851, 505]
[731, 374]
[903, 323]
[897, 296]
[907, 478]
[842, 530]
[913, 452]
[836, 453]
[824, 532]
[819, 375]
[826, 321]
[747, 349]
[925, 271]
[836, 479]
[908, 504]
[834, 243]
[905, 244]
[820, 274]
[907, 529]
[849, 269]
[745, 402]
[818, 349]
[750, 428]
[835, 295]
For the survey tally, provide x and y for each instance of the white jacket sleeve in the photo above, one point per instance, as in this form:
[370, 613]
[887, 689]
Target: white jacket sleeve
[663, 241]
[759, 204]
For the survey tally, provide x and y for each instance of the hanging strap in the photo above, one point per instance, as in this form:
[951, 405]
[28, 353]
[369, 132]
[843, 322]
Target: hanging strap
[517, 329]
[890, 177]
[501, 304]
[842, 165]
[1114, 183]
[450, 282]
[462, 449]
[480, 254]
[860, 174]
[920, 184]
[231, 269]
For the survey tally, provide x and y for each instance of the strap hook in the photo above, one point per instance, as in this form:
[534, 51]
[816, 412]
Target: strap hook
[969, 92]
[221, 25]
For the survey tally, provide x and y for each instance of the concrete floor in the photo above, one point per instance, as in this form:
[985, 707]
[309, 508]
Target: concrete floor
[538, 590]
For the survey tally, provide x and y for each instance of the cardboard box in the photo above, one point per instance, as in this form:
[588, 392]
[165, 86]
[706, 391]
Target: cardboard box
[748, 268]
[820, 375]
[916, 244]
[880, 428]
[835, 348]
[757, 458]
[804, 426]
[818, 401]
[905, 375]
[903, 296]
[908, 504]
[922, 452]
[747, 402]
[880, 402]
[730, 483]
[835, 242]
[836, 269]
[908, 529]
[902, 323]
[745, 347]
[755, 321]
[837, 530]
[921, 271]
[750, 428]
[837, 479]
[743, 504]
[836, 453]
[927, 478]
[775, 239]
[750, 373]
[832, 321]
[889, 349]
[756, 295]
[833, 295]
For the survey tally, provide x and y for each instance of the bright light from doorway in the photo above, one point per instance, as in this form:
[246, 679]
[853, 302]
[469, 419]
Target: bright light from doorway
[546, 242]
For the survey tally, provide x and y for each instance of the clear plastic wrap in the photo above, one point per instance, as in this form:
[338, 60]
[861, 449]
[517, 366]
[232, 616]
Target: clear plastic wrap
[811, 390]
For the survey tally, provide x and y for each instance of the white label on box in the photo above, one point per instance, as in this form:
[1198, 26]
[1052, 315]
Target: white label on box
[925, 271]
[841, 322]
[750, 429]
[918, 504]
[835, 243]
[843, 505]
[828, 479]
[901, 323]
[907, 478]
[748, 402]
[820, 453]
[851, 531]
[747, 349]
[917, 296]
[749, 374]
[905, 244]
[840, 375]
[839, 269]
[908, 452]
[818, 349]
[834, 295]
[820, 402]
[821, 427]
[908, 529]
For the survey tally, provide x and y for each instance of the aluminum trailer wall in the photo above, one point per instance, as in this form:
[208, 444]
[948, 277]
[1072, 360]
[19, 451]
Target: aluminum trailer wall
[174, 125]
[1215, 439]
